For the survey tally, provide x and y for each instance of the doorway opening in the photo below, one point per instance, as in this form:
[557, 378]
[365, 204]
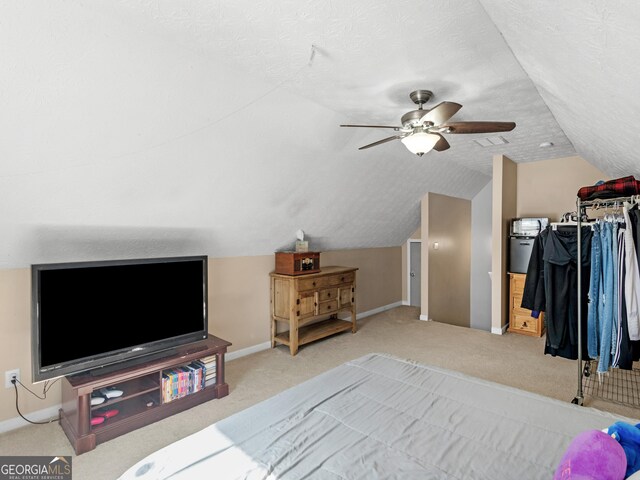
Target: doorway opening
[414, 256]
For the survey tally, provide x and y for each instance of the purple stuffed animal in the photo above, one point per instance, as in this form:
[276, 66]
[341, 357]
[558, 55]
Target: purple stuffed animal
[592, 455]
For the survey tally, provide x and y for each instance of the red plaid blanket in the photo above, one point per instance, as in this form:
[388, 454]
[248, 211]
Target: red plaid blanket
[619, 187]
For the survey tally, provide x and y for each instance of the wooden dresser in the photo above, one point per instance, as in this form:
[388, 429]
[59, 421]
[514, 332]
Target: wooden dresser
[520, 319]
[302, 301]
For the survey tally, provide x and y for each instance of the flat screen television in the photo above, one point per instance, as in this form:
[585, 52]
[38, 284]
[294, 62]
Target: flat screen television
[89, 315]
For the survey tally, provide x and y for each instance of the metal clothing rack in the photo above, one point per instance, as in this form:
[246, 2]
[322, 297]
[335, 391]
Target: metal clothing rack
[620, 387]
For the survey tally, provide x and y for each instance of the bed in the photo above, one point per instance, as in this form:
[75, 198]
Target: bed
[383, 417]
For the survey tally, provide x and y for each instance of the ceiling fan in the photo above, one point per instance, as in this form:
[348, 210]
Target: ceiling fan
[422, 129]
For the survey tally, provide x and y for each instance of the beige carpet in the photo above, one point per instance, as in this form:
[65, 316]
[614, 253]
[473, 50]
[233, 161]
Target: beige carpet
[510, 359]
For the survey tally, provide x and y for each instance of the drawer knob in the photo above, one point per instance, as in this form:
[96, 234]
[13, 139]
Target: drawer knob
[342, 279]
[298, 313]
[329, 294]
[314, 284]
[328, 307]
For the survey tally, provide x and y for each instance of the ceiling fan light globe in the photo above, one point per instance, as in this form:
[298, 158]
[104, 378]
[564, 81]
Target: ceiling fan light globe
[420, 142]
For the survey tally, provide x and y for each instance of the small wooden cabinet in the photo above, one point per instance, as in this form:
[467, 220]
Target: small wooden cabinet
[520, 319]
[302, 301]
[141, 402]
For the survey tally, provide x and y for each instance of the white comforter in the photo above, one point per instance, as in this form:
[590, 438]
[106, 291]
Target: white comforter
[381, 417]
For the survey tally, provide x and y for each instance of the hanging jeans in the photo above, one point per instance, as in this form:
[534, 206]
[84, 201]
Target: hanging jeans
[616, 295]
[594, 294]
[605, 308]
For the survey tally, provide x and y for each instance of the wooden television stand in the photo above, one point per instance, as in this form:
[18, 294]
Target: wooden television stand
[141, 402]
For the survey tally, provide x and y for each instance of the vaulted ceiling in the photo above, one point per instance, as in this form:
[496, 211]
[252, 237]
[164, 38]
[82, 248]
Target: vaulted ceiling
[172, 127]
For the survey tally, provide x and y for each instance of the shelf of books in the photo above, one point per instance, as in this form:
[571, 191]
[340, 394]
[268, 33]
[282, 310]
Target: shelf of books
[210, 370]
[183, 380]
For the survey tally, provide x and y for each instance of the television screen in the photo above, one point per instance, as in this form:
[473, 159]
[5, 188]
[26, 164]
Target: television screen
[91, 314]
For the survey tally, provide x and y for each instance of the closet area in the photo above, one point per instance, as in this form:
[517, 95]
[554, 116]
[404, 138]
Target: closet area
[583, 274]
[613, 297]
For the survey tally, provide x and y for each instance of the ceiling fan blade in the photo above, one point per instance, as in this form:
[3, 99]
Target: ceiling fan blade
[479, 127]
[372, 126]
[441, 113]
[384, 140]
[442, 144]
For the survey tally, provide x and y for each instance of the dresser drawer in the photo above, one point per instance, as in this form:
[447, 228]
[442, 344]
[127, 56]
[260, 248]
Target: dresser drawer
[524, 323]
[517, 283]
[517, 309]
[342, 278]
[327, 307]
[327, 294]
[312, 283]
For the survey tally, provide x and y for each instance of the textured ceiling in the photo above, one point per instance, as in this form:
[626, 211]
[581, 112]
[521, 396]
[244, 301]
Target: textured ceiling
[184, 127]
[367, 58]
[582, 57]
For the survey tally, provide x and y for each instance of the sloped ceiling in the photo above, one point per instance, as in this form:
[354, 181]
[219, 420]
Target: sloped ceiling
[175, 127]
[582, 58]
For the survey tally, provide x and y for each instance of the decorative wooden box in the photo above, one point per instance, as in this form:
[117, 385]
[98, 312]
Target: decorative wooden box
[297, 263]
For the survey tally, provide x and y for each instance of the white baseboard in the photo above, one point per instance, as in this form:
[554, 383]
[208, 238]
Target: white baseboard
[243, 352]
[384, 308]
[38, 416]
[499, 330]
[405, 302]
[266, 345]
[425, 318]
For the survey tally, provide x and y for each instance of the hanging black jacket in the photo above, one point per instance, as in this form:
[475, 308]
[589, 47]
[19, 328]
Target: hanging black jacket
[533, 297]
[551, 286]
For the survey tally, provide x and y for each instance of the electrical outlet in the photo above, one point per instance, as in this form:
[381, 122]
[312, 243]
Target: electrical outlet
[9, 375]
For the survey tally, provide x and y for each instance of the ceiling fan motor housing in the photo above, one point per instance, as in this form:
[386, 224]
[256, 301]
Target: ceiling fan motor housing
[420, 96]
[412, 119]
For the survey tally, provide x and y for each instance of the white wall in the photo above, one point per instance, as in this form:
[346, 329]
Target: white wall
[481, 259]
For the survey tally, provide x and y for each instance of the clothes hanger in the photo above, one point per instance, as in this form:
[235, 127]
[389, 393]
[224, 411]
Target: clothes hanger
[618, 215]
[566, 220]
[570, 219]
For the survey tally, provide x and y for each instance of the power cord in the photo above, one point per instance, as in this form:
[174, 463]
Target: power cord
[45, 390]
